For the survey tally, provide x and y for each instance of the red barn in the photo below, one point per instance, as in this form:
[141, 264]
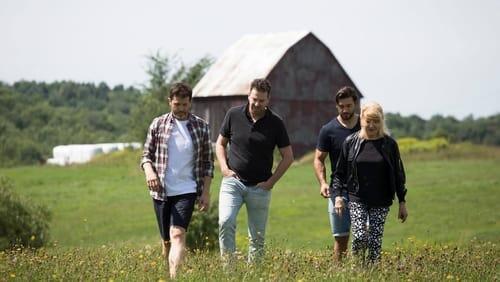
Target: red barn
[303, 72]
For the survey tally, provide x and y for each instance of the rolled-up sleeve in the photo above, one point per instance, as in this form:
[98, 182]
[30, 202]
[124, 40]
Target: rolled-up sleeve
[148, 153]
[208, 154]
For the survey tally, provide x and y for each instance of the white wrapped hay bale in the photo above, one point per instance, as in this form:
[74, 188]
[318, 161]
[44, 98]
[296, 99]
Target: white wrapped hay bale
[109, 147]
[82, 153]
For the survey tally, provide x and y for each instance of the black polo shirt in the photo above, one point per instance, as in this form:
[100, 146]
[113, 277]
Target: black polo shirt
[251, 145]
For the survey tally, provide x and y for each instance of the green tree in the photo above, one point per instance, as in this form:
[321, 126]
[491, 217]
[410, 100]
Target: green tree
[163, 71]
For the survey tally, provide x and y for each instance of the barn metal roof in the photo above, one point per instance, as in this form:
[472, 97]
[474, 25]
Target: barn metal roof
[253, 56]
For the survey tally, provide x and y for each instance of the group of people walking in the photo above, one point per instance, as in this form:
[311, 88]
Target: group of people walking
[178, 163]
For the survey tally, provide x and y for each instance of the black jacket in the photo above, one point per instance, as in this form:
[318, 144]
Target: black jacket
[345, 176]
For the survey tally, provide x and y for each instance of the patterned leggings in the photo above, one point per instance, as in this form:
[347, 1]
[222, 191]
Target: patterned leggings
[367, 236]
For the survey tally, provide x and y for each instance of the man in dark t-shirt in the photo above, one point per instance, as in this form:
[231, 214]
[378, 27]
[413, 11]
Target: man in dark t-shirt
[252, 132]
[330, 139]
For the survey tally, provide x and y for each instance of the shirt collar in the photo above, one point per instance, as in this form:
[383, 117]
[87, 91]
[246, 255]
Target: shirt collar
[247, 112]
[190, 117]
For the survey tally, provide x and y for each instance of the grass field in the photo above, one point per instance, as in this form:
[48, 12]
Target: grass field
[452, 201]
[475, 262]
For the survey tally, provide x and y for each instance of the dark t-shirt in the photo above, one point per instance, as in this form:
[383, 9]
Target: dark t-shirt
[251, 145]
[331, 137]
[373, 177]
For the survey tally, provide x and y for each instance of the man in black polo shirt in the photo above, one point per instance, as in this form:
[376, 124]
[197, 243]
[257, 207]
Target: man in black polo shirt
[330, 139]
[252, 131]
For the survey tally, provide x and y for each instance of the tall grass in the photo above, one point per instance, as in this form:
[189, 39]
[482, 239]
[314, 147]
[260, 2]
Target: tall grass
[473, 262]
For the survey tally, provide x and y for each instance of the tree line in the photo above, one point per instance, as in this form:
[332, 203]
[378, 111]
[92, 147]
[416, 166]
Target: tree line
[484, 130]
[36, 116]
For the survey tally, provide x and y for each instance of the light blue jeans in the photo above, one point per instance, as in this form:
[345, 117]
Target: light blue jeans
[339, 224]
[233, 193]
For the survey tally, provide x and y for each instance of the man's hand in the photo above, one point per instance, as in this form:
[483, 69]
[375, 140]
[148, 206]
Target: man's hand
[204, 202]
[228, 172]
[339, 205]
[152, 179]
[403, 213]
[266, 185]
[324, 191]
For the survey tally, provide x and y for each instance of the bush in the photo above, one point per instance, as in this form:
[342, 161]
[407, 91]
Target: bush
[22, 222]
[203, 232]
[414, 145]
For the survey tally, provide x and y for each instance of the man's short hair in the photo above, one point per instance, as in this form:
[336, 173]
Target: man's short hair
[346, 92]
[181, 90]
[261, 85]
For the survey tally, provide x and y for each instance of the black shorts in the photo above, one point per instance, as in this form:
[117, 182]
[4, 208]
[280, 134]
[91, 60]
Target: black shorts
[176, 211]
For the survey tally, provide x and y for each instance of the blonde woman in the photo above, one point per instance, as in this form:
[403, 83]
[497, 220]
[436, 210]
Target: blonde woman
[371, 171]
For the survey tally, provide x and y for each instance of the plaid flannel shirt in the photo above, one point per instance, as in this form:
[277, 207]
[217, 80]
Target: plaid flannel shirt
[156, 150]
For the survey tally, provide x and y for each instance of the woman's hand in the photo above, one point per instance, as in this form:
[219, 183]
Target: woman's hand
[403, 213]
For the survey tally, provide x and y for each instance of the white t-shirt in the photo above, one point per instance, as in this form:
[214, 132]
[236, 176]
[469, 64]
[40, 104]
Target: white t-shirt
[179, 178]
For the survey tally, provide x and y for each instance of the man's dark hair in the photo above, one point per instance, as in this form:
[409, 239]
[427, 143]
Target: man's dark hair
[181, 90]
[346, 92]
[261, 85]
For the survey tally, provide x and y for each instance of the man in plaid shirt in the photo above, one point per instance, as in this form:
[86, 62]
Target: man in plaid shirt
[178, 164]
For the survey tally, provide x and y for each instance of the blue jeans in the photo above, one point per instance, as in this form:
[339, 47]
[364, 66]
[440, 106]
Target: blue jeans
[233, 193]
[339, 224]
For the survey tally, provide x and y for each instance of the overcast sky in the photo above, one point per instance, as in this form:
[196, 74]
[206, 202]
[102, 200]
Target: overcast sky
[414, 57]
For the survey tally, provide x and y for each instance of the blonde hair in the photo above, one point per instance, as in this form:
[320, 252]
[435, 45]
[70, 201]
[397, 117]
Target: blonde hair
[373, 110]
